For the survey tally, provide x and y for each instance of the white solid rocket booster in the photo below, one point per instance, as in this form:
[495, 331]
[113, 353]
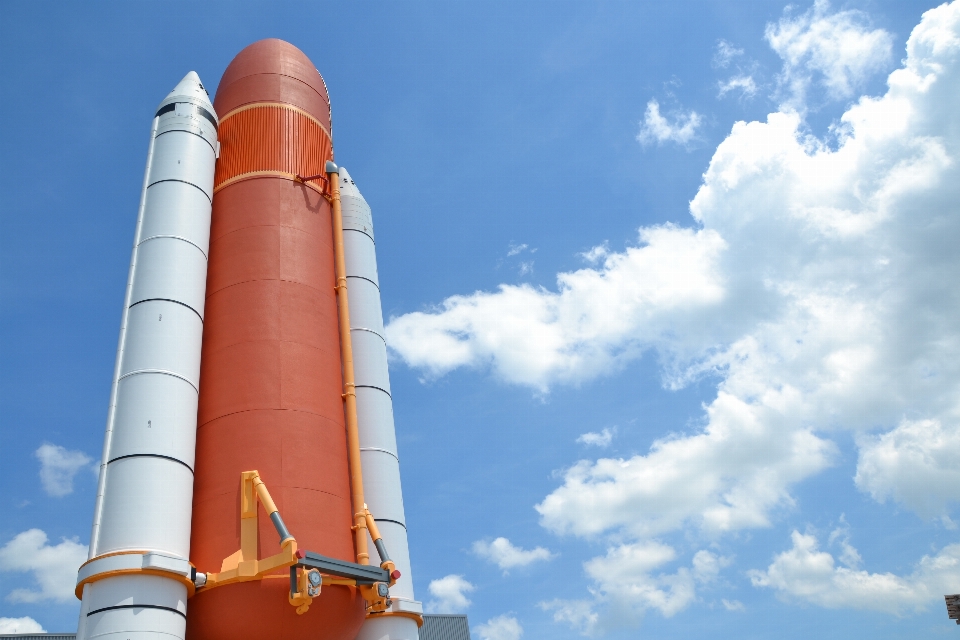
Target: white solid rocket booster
[135, 584]
[378, 439]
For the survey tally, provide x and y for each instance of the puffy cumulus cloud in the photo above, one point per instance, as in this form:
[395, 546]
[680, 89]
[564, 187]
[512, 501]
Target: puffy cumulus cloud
[449, 594]
[723, 479]
[916, 465]
[506, 556]
[625, 586]
[54, 567]
[817, 287]
[839, 50]
[58, 466]
[602, 439]
[657, 128]
[503, 627]
[598, 318]
[806, 573]
[20, 625]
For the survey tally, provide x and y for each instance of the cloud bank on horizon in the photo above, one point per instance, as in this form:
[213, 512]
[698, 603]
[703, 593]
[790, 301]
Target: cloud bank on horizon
[816, 284]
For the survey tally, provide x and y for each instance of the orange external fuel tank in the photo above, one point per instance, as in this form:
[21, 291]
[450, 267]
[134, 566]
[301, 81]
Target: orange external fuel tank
[270, 382]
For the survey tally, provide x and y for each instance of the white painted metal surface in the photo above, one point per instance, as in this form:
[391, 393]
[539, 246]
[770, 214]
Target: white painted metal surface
[378, 440]
[145, 493]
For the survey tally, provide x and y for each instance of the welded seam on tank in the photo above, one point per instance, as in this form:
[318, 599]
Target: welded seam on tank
[183, 304]
[184, 182]
[364, 233]
[233, 413]
[210, 293]
[152, 455]
[266, 174]
[334, 495]
[175, 238]
[393, 521]
[193, 133]
[368, 331]
[138, 606]
[371, 386]
[368, 280]
[387, 451]
[161, 372]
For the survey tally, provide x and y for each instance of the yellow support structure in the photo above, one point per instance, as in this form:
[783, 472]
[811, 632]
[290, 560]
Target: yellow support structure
[244, 565]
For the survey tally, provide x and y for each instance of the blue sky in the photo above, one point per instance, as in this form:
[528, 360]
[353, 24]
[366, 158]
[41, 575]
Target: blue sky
[671, 290]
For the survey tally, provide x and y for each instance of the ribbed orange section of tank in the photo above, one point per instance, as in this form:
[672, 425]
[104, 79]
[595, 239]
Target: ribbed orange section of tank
[270, 139]
[270, 380]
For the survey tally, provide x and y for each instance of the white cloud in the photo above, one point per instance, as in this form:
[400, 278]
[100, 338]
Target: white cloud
[818, 289]
[839, 50]
[503, 627]
[602, 439]
[732, 605]
[58, 466]
[596, 254]
[725, 54]
[598, 318]
[625, 587]
[742, 83]
[54, 567]
[506, 556]
[849, 556]
[809, 574]
[449, 594]
[917, 465]
[817, 286]
[20, 625]
[516, 249]
[578, 614]
[724, 479]
[657, 128]
[743, 71]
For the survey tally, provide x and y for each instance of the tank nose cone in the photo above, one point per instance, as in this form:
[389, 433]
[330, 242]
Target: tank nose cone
[190, 89]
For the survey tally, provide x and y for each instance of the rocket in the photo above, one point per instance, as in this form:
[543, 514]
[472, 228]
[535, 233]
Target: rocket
[250, 483]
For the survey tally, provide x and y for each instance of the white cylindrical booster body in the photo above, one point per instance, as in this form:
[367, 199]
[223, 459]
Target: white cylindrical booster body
[141, 528]
[378, 439]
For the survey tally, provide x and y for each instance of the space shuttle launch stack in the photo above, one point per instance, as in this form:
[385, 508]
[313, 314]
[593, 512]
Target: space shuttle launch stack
[288, 408]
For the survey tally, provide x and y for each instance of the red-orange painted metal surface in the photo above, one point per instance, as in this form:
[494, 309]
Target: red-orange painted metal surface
[270, 380]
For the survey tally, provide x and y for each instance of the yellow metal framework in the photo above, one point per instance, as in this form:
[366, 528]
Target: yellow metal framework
[243, 565]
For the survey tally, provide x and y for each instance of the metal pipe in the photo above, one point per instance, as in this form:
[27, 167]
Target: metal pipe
[278, 524]
[349, 387]
[268, 504]
[376, 537]
[381, 549]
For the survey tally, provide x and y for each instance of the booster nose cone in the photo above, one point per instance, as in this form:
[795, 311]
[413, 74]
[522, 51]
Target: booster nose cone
[347, 186]
[190, 89]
